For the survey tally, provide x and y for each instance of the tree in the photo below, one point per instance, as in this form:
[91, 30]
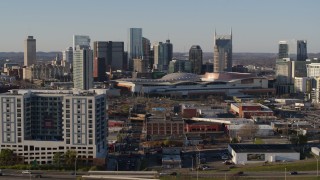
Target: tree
[70, 157]
[58, 158]
[297, 140]
[248, 131]
[6, 157]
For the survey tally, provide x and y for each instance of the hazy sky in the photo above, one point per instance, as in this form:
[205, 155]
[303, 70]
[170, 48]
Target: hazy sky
[257, 25]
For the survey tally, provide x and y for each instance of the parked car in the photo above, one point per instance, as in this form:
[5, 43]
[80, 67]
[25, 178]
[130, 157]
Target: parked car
[294, 173]
[205, 167]
[239, 173]
[173, 173]
[26, 172]
[224, 157]
[227, 162]
[163, 174]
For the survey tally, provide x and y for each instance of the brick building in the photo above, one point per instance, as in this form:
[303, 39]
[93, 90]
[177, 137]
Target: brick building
[247, 110]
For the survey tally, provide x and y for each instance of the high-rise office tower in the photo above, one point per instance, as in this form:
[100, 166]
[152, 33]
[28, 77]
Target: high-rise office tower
[67, 55]
[107, 55]
[82, 68]
[283, 50]
[134, 45]
[81, 40]
[168, 49]
[195, 57]
[158, 56]
[30, 51]
[284, 77]
[146, 47]
[115, 56]
[162, 55]
[100, 60]
[302, 50]
[222, 60]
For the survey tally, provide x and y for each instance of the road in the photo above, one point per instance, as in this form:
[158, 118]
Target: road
[258, 175]
[17, 175]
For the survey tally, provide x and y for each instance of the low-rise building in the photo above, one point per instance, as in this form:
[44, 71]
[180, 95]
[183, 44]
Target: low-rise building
[247, 110]
[258, 153]
[161, 128]
[171, 158]
[247, 131]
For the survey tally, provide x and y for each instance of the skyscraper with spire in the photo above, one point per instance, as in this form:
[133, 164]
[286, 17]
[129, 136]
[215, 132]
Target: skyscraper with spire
[222, 60]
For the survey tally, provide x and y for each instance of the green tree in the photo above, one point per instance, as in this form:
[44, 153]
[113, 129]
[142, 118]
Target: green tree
[167, 142]
[6, 157]
[234, 140]
[58, 158]
[70, 157]
[300, 139]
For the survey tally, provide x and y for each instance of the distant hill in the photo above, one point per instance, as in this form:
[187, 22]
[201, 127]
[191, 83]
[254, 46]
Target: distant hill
[257, 59]
[18, 56]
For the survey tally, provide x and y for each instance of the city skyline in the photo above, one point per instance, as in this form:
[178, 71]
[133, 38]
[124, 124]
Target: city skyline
[257, 26]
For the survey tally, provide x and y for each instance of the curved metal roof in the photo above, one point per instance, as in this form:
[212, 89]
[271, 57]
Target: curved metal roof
[181, 77]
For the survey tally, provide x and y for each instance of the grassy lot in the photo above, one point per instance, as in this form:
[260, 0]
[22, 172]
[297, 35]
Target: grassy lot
[305, 165]
[258, 141]
[239, 178]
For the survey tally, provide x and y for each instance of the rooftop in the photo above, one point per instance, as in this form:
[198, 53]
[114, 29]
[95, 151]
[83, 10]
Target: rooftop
[262, 148]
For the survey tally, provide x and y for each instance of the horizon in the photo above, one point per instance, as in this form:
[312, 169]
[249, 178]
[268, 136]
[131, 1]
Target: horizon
[257, 26]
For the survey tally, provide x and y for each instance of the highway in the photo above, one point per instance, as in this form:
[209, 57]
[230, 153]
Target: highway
[17, 174]
[258, 175]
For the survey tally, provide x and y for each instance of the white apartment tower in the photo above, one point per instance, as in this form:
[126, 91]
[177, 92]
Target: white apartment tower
[82, 68]
[36, 124]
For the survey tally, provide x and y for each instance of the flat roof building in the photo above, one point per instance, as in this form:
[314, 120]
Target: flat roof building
[259, 153]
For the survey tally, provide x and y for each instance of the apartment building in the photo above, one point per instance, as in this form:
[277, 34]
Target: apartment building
[38, 123]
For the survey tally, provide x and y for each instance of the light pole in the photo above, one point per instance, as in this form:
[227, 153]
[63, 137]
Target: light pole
[198, 164]
[192, 163]
[285, 173]
[317, 165]
[117, 166]
[75, 166]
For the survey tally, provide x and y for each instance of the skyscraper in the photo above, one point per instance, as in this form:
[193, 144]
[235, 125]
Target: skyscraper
[82, 68]
[302, 50]
[158, 56]
[107, 55]
[146, 47]
[134, 45]
[30, 51]
[67, 55]
[100, 60]
[81, 40]
[162, 55]
[195, 57]
[115, 56]
[168, 49]
[222, 60]
[283, 50]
